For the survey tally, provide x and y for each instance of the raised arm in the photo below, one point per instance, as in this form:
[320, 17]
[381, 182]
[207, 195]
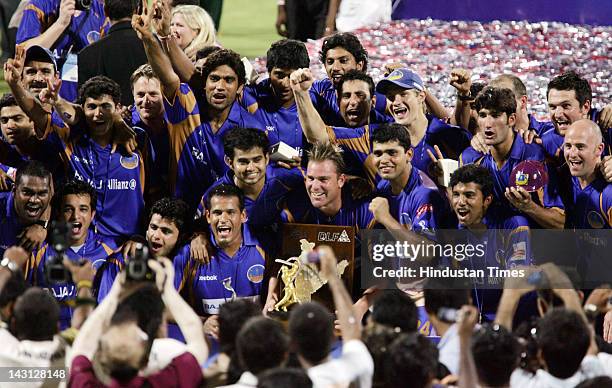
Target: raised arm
[13, 69]
[461, 80]
[86, 342]
[349, 325]
[160, 63]
[312, 124]
[48, 37]
[187, 320]
[181, 63]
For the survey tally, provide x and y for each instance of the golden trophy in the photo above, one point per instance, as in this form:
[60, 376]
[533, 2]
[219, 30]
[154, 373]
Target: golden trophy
[301, 278]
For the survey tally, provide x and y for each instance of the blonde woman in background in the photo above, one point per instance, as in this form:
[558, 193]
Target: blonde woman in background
[192, 28]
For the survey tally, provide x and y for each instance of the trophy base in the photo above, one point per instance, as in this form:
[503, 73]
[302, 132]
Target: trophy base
[282, 316]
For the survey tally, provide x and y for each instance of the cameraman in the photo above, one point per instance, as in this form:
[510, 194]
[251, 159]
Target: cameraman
[167, 231]
[66, 27]
[124, 348]
[76, 208]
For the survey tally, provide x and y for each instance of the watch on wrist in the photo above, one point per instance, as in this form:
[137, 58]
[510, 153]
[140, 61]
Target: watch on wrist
[43, 223]
[9, 264]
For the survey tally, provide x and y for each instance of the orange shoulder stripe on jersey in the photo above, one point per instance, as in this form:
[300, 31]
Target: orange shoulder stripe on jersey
[39, 12]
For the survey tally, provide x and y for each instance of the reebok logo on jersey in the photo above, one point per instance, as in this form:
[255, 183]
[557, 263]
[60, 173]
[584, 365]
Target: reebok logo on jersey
[207, 277]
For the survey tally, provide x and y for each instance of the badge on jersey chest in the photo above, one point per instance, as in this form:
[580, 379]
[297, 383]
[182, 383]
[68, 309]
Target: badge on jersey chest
[129, 162]
[595, 220]
[255, 273]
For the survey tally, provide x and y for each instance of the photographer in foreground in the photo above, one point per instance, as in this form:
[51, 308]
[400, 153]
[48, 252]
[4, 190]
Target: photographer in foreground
[124, 347]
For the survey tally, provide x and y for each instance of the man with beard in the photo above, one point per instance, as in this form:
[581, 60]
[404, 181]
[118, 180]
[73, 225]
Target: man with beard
[406, 92]
[92, 154]
[236, 269]
[340, 54]
[196, 128]
[28, 74]
[25, 206]
[57, 25]
[496, 117]
[76, 204]
[356, 99]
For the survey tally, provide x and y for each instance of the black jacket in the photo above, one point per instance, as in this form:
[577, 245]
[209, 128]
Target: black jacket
[116, 56]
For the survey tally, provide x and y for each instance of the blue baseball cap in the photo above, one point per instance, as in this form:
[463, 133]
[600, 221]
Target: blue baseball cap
[40, 54]
[404, 78]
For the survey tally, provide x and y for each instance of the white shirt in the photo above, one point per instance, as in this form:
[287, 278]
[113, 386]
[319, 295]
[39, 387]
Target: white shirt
[163, 351]
[355, 365]
[16, 354]
[247, 380]
[448, 349]
[590, 367]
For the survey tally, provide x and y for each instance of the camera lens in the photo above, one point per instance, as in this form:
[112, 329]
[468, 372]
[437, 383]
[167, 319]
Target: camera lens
[85, 4]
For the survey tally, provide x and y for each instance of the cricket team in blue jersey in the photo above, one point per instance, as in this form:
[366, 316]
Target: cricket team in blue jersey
[369, 157]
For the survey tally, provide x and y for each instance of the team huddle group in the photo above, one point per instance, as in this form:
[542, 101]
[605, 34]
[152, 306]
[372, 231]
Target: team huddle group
[191, 172]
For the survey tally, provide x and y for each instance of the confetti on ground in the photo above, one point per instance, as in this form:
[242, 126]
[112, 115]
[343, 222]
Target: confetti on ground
[536, 52]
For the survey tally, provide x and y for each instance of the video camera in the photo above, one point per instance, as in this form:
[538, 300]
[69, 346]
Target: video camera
[137, 268]
[83, 5]
[55, 270]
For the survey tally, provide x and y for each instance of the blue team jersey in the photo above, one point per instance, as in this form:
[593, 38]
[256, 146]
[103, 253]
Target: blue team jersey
[207, 287]
[266, 209]
[107, 272]
[548, 196]
[10, 226]
[325, 100]
[264, 213]
[356, 142]
[198, 158]
[159, 156]
[117, 177]
[592, 205]
[552, 141]
[508, 245]
[84, 29]
[553, 145]
[42, 151]
[606, 132]
[356, 213]
[419, 206]
[540, 127]
[282, 124]
[96, 249]
[190, 171]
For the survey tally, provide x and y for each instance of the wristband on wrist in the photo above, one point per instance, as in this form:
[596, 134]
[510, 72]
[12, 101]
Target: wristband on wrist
[467, 97]
[84, 284]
